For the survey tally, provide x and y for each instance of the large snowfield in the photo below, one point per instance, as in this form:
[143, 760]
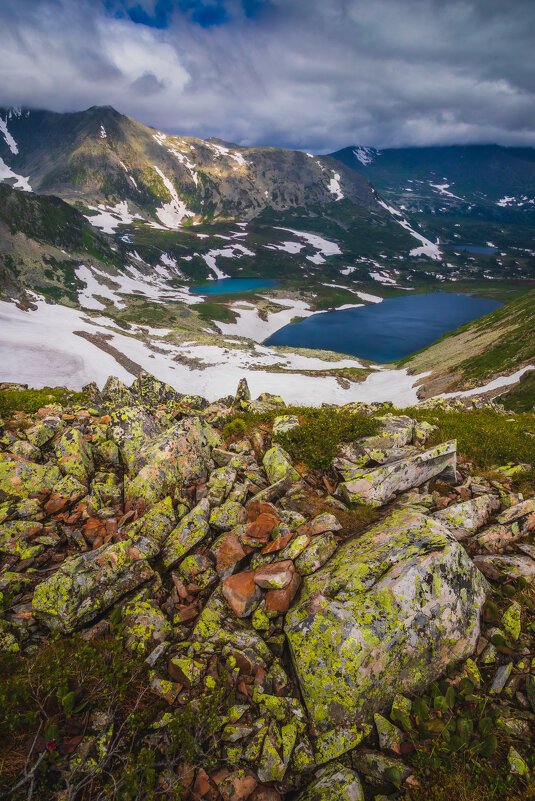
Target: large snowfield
[41, 348]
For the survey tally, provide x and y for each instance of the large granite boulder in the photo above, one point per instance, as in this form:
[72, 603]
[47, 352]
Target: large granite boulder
[385, 615]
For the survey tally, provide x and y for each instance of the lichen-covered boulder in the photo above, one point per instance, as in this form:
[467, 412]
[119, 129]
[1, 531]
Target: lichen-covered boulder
[145, 625]
[377, 486]
[115, 393]
[228, 516]
[22, 479]
[178, 457]
[149, 391]
[43, 431]
[220, 484]
[191, 530]
[130, 427]
[74, 455]
[152, 530]
[335, 782]
[320, 549]
[500, 567]
[86, 585]
[284, 423]
[464, 519]
[243, 394]
[278, 466]
[386, 615]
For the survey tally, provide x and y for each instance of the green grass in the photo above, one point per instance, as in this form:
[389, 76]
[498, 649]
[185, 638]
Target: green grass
[30, 400]
[522, 397]
[484, 437]
[316, 440]
[215, 311]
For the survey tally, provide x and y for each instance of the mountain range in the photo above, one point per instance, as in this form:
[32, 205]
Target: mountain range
[101, 212]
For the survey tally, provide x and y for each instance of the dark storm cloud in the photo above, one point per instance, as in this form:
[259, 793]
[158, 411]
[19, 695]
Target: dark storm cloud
[313, 74]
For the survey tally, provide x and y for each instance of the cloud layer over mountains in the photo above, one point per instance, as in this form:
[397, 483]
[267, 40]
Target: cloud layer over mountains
[312, 74]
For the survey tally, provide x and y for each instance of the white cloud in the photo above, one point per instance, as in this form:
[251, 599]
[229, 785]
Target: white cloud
[307, 73]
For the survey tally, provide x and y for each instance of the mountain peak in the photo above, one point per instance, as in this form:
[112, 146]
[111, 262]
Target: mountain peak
[366, 155]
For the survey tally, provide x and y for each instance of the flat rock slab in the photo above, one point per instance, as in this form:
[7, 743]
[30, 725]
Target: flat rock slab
[385, 615]
[377, 487]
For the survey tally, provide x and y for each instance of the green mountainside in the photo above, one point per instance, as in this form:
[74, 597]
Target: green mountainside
[498, 344]
[474, 194]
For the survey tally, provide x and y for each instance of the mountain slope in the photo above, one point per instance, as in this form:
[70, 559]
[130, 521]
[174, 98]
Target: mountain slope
[478, 179]
[101, 156]
[42, 242]
[499, 344]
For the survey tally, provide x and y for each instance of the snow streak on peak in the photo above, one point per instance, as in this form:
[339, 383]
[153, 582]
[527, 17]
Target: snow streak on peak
[10, 142]
[334, 186]
[171, 214]
[366, 155]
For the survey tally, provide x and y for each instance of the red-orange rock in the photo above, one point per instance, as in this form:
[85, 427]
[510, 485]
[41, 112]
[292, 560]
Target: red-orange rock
[234, 786]
[230, 553]
[278, 601]
[256, 508]
[261, 528]
[278, 544]
[241, 593]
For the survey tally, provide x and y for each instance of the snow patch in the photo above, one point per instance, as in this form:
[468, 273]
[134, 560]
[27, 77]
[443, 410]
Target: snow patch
[7, 173]
[427, 247]
[334, 186]
[108, 218]
[497, 383]
[442, 189]
[41, 349]
[10, 142]
[366, 155]
[171, 214]
[231, 252]
[323, 246]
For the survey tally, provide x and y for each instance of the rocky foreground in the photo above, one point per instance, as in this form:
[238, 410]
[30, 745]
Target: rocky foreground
[334, 651]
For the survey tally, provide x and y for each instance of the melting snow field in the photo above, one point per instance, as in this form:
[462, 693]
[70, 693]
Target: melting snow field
[108, 218]
[323, 246]
[7, 173]
[40, 348]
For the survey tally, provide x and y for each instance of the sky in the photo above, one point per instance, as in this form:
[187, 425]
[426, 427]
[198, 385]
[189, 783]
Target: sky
[308, 74]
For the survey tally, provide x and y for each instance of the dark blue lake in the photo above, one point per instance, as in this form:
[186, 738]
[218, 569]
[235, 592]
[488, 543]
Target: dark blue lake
[387, 331]
[231, 285]
[484, 249]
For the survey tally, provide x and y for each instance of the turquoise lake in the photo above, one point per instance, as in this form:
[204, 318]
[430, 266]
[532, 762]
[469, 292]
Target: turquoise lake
[228, 286]
[387, 331]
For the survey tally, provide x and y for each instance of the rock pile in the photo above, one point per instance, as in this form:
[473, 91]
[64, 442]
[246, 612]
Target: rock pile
[226, 560]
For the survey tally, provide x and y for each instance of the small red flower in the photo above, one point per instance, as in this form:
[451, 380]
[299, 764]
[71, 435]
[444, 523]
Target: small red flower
[51, 745]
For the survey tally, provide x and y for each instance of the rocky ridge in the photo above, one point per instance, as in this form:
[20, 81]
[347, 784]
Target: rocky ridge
[230, 567]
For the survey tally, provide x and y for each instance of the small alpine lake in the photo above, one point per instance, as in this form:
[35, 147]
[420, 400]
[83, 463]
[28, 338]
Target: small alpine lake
[484, 250]
[230, 286]
[387, 331]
